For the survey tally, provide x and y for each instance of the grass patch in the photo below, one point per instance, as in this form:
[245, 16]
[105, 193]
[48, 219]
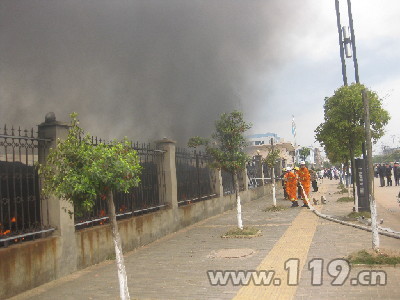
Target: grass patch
[356, 215]
[370, 257]
[345, 199]
[340, 186]
[246, 232]
[111, 257]
[342, 189]
[276, 208]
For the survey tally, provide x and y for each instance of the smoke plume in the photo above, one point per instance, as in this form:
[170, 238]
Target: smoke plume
[145, 69]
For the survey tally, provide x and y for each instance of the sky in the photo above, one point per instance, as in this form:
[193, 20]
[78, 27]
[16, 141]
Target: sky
[149, 69]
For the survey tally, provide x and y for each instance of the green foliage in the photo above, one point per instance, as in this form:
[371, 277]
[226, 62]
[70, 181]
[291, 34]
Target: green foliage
[343, 190]
[271, 158]
[246, 232]
[276, 208]
[79, 172]
[343, 129]
[304, 152]
[370, 257]
[345, 199]
[197, 141]
[355, 215]
[392, 157]
[227, 143]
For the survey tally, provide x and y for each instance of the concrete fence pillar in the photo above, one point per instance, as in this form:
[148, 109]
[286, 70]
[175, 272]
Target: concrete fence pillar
[169, 167]
[60, 211]
[259, 170]
[216, 177]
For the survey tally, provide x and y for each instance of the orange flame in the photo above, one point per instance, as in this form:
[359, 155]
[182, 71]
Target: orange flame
[13, 220]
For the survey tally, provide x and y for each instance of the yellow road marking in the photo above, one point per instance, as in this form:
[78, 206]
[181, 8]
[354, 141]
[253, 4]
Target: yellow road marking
[294, 244]
[255, 225]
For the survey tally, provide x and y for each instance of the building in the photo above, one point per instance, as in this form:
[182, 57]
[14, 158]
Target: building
[263, 139]
[309, 158]
[287, 152]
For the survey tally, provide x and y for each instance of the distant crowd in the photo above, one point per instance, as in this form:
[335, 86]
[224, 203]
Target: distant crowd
[385, 173]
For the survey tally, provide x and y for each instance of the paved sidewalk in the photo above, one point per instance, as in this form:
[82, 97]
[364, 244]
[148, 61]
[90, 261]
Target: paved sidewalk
[175, 267]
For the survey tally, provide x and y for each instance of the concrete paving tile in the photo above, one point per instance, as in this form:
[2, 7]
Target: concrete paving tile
[176, 266]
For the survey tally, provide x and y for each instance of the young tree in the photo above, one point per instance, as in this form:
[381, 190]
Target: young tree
[80, 172]
[226, 148]
[304, 152]
[342, 132]
[270, 161]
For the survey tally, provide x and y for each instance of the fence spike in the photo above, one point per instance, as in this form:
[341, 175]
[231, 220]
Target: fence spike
[12, 130]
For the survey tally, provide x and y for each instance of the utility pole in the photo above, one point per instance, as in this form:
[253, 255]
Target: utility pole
[368, 164]
[344, 42]
[353, 41]
[339, 26]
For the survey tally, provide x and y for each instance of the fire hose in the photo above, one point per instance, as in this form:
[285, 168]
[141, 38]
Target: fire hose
[383, 231]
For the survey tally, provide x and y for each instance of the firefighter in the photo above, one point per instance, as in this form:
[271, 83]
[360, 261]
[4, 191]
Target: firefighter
[296, 172]
[305, 180]
[291, 186]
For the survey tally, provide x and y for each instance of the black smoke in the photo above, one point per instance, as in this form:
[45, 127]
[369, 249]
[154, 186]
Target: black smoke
[141, 68]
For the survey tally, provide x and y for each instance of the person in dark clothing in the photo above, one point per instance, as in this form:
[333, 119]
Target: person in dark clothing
[285, 194]
[314, 178]
[382, 174]
[396, 173]
[389, 175]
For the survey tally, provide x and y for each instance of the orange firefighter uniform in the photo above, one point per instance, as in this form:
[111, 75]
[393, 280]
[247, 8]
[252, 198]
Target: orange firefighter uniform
[305, 180]
[291, 185]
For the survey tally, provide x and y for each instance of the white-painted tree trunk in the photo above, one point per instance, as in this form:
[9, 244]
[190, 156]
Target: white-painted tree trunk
[119, 257]
[238, 204]
[273, 187]
[348, 191]
[374, 224]
[355, 198]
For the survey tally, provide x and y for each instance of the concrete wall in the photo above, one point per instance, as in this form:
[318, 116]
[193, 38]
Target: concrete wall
[25, 266]
[95, 244]
[28, 265]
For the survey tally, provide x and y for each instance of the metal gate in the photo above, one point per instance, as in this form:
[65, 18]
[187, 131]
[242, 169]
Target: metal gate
[21, 214]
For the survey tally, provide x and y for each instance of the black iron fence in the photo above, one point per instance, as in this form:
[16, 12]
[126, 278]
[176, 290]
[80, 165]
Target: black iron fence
[147, 197]
[256, 170]
[227, 182]
[22, 216]
[194, 176]
[251, 170]
[268, 171]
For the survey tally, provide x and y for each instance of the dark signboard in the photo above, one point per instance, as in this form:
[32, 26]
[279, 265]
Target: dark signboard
[362, 185]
